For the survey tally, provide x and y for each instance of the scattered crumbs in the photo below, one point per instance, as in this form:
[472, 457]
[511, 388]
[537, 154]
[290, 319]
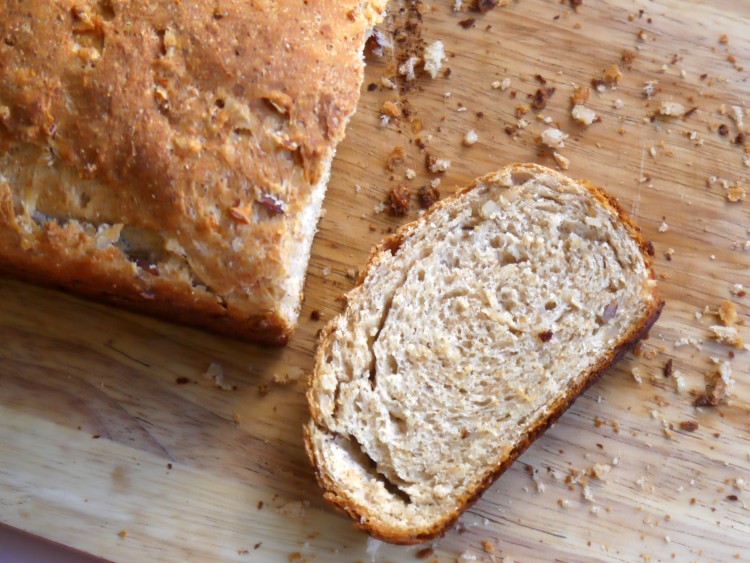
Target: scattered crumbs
[387, 83]
[435, 164]
[726, 335]
[123, 534]
[257, 545]
[636, 373]
[723, 39]
[395, 159]
[434, 55]
[563, 502]
[613, 74]
[561, 161]
[689, 425]
[488, 546]
[427, 196]
[583, 115]
[407, 68]
[668, 253]
[467, 556]
[738, 290]
[315, 315]
[215, 374]
[737, 115]
[671, 109]
[580, 95]
[434, 183]
[540, 98]
[727, 313]
[425, 553]
[600, 470]
[553, 137]
[649, 88]
[410, 174]
[391, 109]
[470, 138]
[664, 227]
[326, 271]
[618, 104]
[679, 380]
[398, 199]
[736, 194]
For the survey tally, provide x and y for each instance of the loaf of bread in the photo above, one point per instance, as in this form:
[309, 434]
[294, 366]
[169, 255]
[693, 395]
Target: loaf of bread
[173, 156]
[470, 331]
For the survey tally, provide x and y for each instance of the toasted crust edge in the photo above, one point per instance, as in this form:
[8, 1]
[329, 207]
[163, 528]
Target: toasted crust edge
[639, 330]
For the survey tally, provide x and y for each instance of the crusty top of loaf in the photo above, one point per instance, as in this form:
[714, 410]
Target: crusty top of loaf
[209, 121]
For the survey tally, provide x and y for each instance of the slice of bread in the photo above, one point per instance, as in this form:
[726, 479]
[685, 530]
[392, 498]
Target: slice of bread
[470, 332]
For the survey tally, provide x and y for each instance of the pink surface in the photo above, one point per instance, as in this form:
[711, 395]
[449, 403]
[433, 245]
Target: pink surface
[19, 547]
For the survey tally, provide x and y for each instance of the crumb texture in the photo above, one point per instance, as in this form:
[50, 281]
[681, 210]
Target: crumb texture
[459, 343]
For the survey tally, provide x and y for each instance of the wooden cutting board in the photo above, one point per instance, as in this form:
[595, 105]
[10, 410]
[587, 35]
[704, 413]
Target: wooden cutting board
[103, 450]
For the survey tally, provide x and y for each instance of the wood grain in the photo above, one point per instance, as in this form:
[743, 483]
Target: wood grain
[102, 449]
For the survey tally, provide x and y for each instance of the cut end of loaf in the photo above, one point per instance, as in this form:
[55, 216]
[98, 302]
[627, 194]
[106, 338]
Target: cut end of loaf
[471, 331]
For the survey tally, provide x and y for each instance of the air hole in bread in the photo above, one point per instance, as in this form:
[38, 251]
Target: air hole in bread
[107, 10]
[141, 245]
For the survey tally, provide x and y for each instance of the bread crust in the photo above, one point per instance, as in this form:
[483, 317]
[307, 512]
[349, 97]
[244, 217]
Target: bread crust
[207, 125]
[363, 518]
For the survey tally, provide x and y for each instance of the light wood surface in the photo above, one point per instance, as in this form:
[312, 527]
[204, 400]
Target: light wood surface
[101, 449]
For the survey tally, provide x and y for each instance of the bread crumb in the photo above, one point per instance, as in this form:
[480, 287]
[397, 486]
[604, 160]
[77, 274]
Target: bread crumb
[580, 95]
[410, 174]
[723, 39]
[563, 502]
[435, 182]
[398, 199]
[123, 534]
[726, 335]
[467, 556]
[407, 68]
[738, 115]
[671, 109]
[636, 373]
[582, 114]
[649, 88]
[727, 312]
[387, 83]
[679, 380]
[737, 289]
[600, 470]
[383, 41]
[736, 194]
[688, 426]
[435, 164]
[215, 374]
[613, 74]
[433, 58]
[561, 161]
[488, 546]
[553, 137]
[395, 159]
[664, 227]
[470, 138]
[391, 109]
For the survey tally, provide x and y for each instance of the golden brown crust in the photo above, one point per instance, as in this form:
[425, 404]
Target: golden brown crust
[204, 124]
[392, 243]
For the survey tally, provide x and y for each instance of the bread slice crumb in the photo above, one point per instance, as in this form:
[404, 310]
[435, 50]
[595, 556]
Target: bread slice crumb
[553, 137]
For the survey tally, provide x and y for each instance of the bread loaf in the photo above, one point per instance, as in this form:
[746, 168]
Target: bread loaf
[173, 156]
[471, 330]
